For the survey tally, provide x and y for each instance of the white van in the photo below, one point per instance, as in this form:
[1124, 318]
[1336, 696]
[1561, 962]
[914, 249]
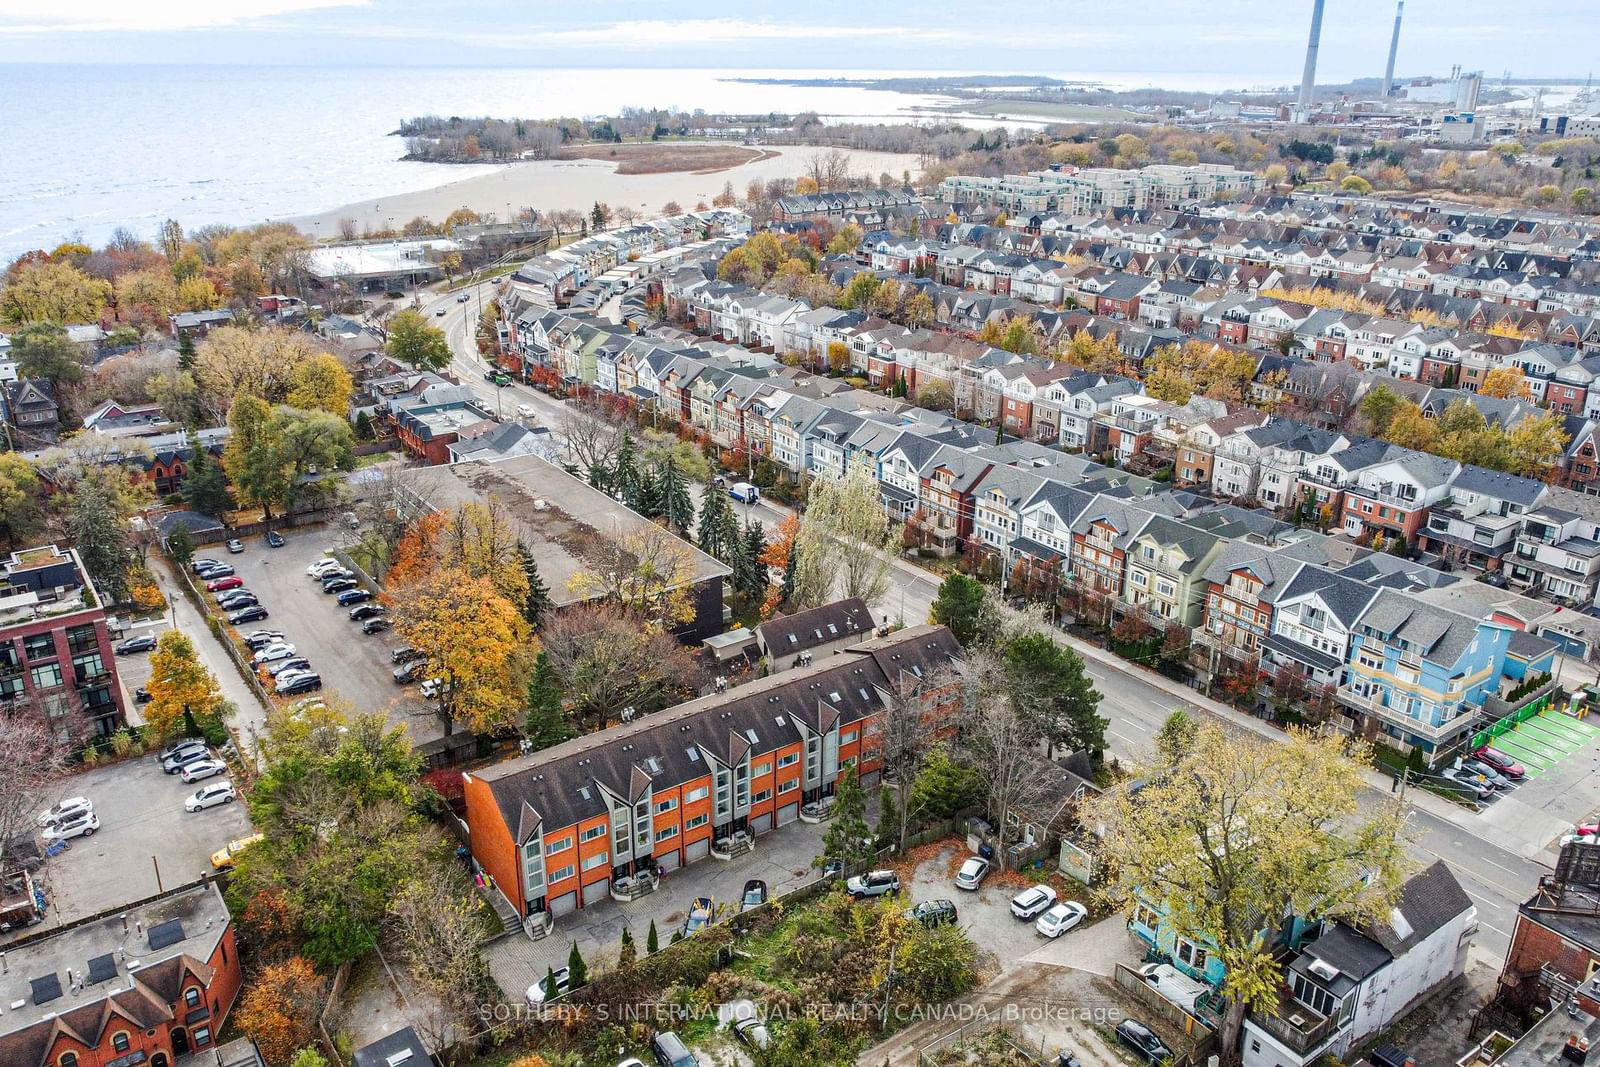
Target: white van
[744, 492]
[1176, 986]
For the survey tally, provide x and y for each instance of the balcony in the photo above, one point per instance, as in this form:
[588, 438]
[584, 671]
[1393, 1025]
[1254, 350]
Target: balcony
[1386, 495]
[1295, 1025]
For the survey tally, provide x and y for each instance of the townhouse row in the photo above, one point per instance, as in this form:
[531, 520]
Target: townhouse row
[653, 243]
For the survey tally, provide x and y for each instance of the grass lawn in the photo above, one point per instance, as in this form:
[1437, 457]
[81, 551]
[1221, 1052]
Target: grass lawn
[375, 459]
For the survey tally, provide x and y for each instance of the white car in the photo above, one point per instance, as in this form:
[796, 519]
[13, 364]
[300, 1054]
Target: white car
[525, 411]
[66, 811]
[203, 769]
[209, 796]
[323, 564]
[1031, 901]
[1061, 918]
[537, 994]
[972, 873]
[84, 825]
[281, 650]
[432, 687]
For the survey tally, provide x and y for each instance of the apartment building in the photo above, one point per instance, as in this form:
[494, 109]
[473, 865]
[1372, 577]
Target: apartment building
[557, 827]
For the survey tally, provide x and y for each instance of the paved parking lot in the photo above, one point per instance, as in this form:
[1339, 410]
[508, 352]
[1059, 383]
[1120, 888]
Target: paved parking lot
[146, 841]
[133, 670]
[782, 859]
[353, 665]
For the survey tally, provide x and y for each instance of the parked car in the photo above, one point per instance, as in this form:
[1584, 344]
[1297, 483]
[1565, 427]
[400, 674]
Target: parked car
[235, 546]
[972, 873]
[700, 911]
[1490, 775]
[1501, 762]
[176, 762]
[753, 1032]
[227, 595]
[1475, 785]
[403, 654]
[538, 993]
[275, 539]
[180, 746]
[406, 673]
[84, 824]
[1060, 918]
[1142, 1040]
[525, 411]
[241, 599]
[1175, 986]
[201, 769]
[873, 884]
[670, 1051]
[288, 678]
[223, 859]
[142, 643]
[375, 626]
[316, 567]
[259, 639]
[200, 563]
[303, 683]
[432, 687]
[232, 581]
[298, 663]
[932, 912]
[278, 650]
[755, 894]
[338, 584]
[66, 811]
[367, 611]
[244, 615]
[209, 796]
[1031, 901]
[353, 596]
[215, 570]
[833, 870]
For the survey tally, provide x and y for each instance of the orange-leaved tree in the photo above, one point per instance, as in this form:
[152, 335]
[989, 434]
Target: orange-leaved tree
[278, 1011]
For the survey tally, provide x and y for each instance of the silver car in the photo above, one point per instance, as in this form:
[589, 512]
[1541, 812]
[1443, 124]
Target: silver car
[972, 873]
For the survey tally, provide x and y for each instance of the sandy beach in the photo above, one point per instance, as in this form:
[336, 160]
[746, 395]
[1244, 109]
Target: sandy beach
[554, 185]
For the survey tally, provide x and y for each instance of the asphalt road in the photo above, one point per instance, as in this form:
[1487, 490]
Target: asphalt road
[1497, 878]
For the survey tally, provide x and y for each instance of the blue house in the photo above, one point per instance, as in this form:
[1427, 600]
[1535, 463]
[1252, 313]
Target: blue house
[1147, 921]
[1418, 673]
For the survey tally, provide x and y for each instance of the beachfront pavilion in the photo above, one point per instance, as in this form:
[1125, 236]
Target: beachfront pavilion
[381, 266]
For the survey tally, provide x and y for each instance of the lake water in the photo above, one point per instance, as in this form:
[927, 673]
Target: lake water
[91, 148]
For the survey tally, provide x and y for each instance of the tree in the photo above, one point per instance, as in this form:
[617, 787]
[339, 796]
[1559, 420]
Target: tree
[1535, 443]
[94, 516]
[304, 441]
[205, 486]
[180, 545]
[944, 785]
[472, 639]
[652, 940]
[183, 691]
[43, 350]
[20, 515]
[1505, 382]
[849, 838]
[919, 311]
[845, 540]
[278, 1011]
[1197, 837]
[1355, 183]
[999, 739]
[838, 357]
[960, 606]
[308, 1057]
[1050, 686]
[628, 953]
[592, 439]
[35, 757]
[858, 294]
[1380, 406]
[234, 360]
[605, 662]
[249, 456]
[1410, 428]
[673, 494]
[749, 573]
[434, 921]
[171, 240]
[717, 533]
[197, 294]
[935, 395]
[146, 295]
[413, 340]
[537, 600]
[51, 291]
[577, 970]
[1176, 737]
[546, 723]
[321, 383]
[647, 572]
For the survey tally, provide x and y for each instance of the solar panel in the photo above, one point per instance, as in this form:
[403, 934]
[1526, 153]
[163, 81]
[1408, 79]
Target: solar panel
[102, 968]
[167, 933]
[46, 989]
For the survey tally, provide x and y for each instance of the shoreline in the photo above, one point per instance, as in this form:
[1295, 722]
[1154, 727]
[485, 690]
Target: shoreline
[555, 185]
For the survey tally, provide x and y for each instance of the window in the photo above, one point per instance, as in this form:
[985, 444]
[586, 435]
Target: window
[559, 844]
[88, 666]
[596, 860]
[565, 872]
[119, 1041]
[789, 786]
[698, 820]
[667, 833]
[191, 997]
[82, 639]
[39, 646]
[201, 1036]
[764, 767]
[47, 676]
[1146, 916]
[68, 1059]
[593, 832]
[790, 760]
[698, 793]
[764, 794]
[1192, 954]
[664, 806]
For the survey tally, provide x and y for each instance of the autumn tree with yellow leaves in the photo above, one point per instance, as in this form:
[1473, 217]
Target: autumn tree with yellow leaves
[647, 571]
[1177, 372]
[321, 383]
[1505, 382]
[1227, 833]
[184, 694]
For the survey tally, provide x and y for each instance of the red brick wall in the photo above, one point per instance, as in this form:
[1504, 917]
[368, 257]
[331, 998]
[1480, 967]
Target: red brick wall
[491, 839]
[1533, 946]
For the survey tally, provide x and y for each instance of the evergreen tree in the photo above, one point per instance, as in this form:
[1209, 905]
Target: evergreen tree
[550, 982]
[718, 530]
[180, 545]
[651, 941]
[790, 566]
[849, 837]
[546, 723]
[205, 487]
[672, 494]
[577, 970]
[628, 952]
[185, 352]
[749, 573]
[626, 483]
[363, 426]
[538, 601]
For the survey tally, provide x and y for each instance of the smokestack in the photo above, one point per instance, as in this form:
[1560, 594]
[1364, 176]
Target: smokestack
[1394, 47]
[1308, 81]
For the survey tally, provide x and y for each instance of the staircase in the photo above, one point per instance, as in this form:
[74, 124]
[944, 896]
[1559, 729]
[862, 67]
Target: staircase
[509, 919]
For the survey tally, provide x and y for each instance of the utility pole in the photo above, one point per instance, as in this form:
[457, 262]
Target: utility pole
[888, 988]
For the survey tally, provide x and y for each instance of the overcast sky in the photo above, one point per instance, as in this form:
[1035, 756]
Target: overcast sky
[1255, 41]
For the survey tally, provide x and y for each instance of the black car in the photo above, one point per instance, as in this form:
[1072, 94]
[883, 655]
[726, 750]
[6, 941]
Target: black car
[366, 611]
[338, 585]
[306, 683]
[1141, 1039]
[142, 643]
[755, 894]
[142, 695]
[375, 625]
[254, 613]
[932, 912]
[403, 654]
[275, 539]
[239, 598]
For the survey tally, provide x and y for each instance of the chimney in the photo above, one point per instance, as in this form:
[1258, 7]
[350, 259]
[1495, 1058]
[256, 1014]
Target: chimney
[1576, 1050]
[1308, 81]
[1394, 48]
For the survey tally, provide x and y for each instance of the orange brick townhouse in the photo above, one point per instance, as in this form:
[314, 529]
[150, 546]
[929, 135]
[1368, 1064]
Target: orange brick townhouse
[554, 828]
[150, 983]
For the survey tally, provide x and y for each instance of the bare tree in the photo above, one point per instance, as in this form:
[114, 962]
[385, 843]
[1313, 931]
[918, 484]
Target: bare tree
[1001, 741]
[34, 758]
[901, 734]
[607, 661]
[438, 935]
[844, 542]
[592, 436]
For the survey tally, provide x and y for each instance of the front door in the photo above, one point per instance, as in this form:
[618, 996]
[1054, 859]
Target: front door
[180, 1042]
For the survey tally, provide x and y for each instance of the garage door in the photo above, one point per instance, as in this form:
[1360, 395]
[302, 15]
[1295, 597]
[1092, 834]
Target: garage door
[596, 891]
[871, 779]
[669, 861]
[788, 813]
[565, 904]
[697, 850]
[760, 824]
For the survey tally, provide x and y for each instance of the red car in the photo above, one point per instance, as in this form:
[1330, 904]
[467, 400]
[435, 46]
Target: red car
[233, 581]
[1501, 762]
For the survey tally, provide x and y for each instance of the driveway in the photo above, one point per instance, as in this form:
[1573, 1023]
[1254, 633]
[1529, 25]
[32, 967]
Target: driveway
[781, 858]
[353, 665]
[146, 842]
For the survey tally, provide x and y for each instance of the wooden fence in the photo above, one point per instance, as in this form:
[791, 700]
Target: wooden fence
[1202, 1035]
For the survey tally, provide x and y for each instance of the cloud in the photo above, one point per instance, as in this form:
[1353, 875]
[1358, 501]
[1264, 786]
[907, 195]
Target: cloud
[120, 16]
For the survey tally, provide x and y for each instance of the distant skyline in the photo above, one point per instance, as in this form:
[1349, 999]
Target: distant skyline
[1248, 42]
